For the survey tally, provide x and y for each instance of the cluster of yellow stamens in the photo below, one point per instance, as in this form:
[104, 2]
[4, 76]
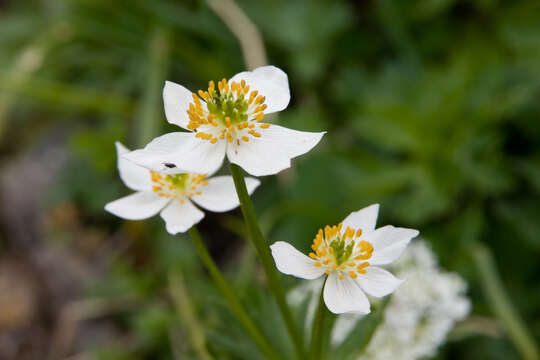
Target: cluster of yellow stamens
[229, 112]
[344, 252]
[177, 186]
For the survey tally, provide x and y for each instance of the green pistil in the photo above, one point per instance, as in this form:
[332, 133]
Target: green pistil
[342, 252]
[224, 105]
[178, 180]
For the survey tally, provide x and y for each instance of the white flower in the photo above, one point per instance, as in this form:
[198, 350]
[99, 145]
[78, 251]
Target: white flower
[227, 120]
[347, 253]
[172, 195]
[420, 314]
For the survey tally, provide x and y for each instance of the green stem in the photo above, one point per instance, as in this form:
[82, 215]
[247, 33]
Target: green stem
[150, 108]
[263, 251]
[501, 305]
[230, 295]
[318, 328]
[188, 315]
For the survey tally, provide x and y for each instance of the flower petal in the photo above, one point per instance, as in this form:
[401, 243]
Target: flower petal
[364, 219]
[343, 296]
[292, 262]
[378, 282]
[273, 151]
[388, 243]
[220, 194]
[270, 82]
[134, 176]
[180, 152]
[180, 217]
[176, 100]
[137, 206]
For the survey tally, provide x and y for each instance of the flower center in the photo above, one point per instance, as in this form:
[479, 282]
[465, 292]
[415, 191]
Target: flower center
[344, 253]
[177, 185]
[231, 112]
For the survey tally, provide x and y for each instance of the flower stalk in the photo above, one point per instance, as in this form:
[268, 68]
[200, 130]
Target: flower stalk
[263, 252]
[318, 328]
[229, 295]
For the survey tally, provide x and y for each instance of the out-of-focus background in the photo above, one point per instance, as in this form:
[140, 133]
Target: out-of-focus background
[431, 106]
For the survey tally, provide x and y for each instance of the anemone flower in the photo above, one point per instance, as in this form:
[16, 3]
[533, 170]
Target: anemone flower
[349, 254]
[172, 195]
[227, 120]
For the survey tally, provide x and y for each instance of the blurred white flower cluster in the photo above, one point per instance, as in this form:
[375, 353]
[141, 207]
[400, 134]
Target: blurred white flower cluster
[421, 312]
[419, 316]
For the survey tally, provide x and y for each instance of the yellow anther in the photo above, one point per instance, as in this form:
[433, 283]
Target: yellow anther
[318, 264]
[245, 138]
[254, 133]
[243, 83]
[342, 267]
[229, 137]
[227, 121]
[353, 274]
[359, 233]
[327, 271]
[334, 267]
[264, 126]
[312, 255]
[340, 277]
[214, 140]
[352, 264]
[361, 268]
[156, 188]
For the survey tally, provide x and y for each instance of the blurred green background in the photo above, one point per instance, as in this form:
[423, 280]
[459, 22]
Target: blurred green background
[431, 106]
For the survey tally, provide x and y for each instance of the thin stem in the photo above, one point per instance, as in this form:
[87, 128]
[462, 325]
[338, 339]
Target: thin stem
[230, 295]
[263, 252]
[318, 328]
[187, 314]
[501, 305]
[246, 32]
[149, 112]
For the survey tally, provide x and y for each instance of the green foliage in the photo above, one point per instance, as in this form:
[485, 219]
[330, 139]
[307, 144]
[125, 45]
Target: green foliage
[431, 108]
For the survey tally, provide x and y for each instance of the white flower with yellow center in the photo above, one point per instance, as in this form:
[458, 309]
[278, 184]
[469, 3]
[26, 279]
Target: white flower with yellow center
[227, 119]
[348, 253]
[172, 194]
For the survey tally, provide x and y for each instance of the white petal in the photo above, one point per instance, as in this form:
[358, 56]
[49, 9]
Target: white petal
[388, 243]
[292, 262]
[181, 217]
[378, 282]
[134, 176]
[137, 206]
[343, 296]
[270, 82]
[273, 151]
[364, 219]
[180, 152]
[220, 194]
[176, 99]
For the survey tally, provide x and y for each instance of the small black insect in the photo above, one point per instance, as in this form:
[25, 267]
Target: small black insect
[169, 165]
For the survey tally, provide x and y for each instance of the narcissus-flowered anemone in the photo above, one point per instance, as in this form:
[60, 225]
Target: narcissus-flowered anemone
[227, 119]
[172, 195]
[349, 254]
